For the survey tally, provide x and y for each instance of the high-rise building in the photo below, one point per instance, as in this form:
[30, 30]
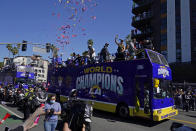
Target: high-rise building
[170, 24]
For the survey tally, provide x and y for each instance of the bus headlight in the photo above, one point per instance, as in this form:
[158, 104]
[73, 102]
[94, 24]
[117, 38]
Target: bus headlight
[159, 111]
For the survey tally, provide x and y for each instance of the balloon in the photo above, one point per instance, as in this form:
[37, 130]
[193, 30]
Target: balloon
[93, 17]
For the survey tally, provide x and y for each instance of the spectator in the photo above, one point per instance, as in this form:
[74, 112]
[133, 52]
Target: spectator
[52, 109]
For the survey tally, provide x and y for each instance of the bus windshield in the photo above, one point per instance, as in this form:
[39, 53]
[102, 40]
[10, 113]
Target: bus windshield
[157, 58]
[163, 91]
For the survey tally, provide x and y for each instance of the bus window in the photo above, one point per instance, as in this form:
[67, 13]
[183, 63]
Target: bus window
[147, 97]
[157, 58]
[163, 90]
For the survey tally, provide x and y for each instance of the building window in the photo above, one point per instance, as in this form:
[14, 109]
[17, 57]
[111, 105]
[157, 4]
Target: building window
[178, 37]
[164, 39]
[178, 21]
[164, 8]
[35, 70]
[178, 55]
[164, 23]
[42, 75]
[43, 71]
[164, 53]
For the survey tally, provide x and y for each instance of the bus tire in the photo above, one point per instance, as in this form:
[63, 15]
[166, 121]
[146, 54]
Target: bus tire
[123, 110]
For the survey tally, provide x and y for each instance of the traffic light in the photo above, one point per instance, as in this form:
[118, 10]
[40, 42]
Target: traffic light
[48, 47]
[24, 45]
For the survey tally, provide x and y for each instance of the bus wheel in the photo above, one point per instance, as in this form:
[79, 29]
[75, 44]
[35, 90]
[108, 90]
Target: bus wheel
[123, 111]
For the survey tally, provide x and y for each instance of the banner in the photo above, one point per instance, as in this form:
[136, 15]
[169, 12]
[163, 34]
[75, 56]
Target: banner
[38, 49]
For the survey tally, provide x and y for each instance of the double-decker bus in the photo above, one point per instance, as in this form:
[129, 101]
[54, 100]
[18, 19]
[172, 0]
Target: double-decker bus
[139, 87]
[19, 74]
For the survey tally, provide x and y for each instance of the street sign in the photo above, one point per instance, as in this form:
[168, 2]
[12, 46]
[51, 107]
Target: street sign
[38, 49]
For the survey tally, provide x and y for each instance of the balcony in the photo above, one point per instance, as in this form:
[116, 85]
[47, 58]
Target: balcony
[142, 6]
[142, 19]
[142, 35]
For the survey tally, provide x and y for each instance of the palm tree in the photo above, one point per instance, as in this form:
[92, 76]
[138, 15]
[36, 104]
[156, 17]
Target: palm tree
[18, 46]
[14, 51]
[90, 42]
[9, 47]
[85, 53]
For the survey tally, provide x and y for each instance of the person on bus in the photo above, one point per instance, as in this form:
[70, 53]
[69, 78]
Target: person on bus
[104, 54]
[91, 53]
[131, 48]
[120, 55]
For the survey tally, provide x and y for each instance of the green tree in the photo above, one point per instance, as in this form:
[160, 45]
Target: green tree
[14, 51]
[1, 64]
[9, 47]
[90, 42]
[18, 46]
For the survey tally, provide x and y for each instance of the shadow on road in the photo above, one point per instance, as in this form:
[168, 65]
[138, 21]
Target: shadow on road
[15, 117]
[134, 120]
[191, 116]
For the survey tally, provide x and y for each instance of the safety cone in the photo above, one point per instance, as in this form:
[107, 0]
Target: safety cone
[5, 117]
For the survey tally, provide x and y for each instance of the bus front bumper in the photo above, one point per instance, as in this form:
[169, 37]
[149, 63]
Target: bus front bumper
[162, 114]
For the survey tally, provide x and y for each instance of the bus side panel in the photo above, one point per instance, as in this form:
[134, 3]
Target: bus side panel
[107, 84]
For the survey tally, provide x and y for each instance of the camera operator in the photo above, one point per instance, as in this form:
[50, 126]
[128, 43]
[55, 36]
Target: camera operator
[52, 109]
[76, 114]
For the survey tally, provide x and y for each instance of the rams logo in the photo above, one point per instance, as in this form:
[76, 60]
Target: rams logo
[95, 90]
[163, 71]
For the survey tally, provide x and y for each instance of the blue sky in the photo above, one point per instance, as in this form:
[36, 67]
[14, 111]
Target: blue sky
[32, 20]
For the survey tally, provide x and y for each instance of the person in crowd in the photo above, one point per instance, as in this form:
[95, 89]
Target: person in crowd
[28, 98]
[192, 100]
[104, 54]
[120, 55]
[29, 123]
[72, 96]
[52, 110]
[68, 121]
[187, 100]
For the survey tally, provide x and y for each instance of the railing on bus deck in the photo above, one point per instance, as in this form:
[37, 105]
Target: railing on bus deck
[139, 54]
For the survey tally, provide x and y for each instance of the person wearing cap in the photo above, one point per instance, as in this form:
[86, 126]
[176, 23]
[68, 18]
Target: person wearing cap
[104, 54]
[120, 50]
